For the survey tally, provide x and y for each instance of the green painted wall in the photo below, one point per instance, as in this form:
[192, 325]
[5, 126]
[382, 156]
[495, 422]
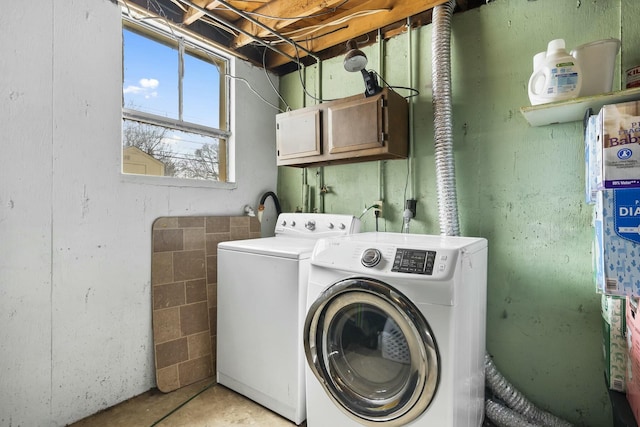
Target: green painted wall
[519, 187]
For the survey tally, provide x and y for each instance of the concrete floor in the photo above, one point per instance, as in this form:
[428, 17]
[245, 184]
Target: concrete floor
[203, 404]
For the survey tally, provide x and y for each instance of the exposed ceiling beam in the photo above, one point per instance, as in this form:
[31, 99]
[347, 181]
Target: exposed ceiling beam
[394, 10]
[298, 9]
[193, 14]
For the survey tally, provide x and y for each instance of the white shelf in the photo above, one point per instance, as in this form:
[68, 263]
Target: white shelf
[573, 109]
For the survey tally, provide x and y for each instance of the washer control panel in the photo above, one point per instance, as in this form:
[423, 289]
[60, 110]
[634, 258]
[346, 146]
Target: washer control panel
[315, 225]
[414, 261]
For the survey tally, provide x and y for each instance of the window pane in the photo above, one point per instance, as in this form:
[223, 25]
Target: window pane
[155, 150]
[150, 75]
[201, 92]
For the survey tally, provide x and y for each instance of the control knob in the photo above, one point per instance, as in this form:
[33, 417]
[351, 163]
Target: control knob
[310, 225]
[371, 257]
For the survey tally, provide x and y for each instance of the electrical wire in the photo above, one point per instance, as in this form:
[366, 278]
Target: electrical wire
[296, 18]
[416, 92]
[367, 210]
[264, 68]
[245, 81]
[304, 87]
[315, 28]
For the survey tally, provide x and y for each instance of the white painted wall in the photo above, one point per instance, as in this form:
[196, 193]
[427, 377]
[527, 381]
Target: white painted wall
[75, 235]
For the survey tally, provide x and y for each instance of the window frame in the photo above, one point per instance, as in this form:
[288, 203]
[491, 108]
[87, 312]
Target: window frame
[160, 30]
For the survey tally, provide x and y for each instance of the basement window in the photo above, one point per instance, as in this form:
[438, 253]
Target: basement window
[175, 104]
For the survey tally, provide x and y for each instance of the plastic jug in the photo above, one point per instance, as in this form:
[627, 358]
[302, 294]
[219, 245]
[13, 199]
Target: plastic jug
[597, 61]
[558, 76]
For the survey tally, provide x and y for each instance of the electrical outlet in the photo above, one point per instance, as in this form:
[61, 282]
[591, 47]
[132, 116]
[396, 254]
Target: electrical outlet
[378, 209]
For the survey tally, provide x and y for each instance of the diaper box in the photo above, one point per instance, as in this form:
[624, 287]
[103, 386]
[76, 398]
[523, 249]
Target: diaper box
[619, 139]
[614, 343]
[616, 249]
[633, 356]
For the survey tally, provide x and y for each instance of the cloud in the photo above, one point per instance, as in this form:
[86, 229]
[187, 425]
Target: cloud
[149, 83]
[146, 87]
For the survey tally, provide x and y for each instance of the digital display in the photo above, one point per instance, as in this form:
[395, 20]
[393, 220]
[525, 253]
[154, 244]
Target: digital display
[414, 261]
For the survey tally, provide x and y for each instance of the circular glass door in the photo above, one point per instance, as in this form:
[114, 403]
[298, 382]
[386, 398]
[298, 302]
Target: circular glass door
[372, 351]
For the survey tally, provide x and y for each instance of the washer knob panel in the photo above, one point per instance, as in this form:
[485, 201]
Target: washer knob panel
[371, 257]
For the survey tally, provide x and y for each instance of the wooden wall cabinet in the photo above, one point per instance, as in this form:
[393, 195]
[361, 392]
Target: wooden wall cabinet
[348, 130]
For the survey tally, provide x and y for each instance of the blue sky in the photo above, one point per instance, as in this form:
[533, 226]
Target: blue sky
[151, 85]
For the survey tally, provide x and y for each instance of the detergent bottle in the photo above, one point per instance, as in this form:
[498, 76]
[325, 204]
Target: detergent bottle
[556, 76]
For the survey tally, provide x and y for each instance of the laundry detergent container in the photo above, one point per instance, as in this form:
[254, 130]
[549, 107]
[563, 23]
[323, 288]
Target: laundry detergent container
[597, 61]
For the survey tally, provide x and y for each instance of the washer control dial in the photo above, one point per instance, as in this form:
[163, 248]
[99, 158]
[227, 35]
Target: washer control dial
[310, 225]
[371, 257]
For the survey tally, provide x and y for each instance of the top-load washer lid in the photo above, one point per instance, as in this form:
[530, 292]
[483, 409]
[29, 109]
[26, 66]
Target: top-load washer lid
[281, 247]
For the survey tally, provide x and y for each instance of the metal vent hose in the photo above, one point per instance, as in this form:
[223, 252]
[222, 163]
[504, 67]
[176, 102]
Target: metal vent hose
[518, 411]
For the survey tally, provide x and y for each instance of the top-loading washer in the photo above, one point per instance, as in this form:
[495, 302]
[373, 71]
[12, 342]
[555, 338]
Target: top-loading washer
[261, 306]
[395, 331]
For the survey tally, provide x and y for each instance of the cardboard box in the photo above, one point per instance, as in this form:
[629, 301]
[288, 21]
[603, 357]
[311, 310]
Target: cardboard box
[633, 356]
[619, 137]
[614, 343]
[616, 249]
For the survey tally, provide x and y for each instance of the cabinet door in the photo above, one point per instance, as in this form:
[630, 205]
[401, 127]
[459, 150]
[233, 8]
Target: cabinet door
[356, 125]
[298, 134]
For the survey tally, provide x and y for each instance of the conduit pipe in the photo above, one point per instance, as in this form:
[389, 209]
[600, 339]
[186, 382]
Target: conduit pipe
[520, 411]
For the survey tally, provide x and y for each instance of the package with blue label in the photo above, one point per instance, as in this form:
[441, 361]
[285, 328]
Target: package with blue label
[614, 343]
[617, 242]
[619, 139]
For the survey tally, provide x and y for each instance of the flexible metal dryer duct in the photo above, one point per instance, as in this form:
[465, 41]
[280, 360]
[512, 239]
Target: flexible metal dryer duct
[520, 411]
[442, 113]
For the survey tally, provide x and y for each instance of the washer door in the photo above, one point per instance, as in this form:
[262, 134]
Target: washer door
[372, 351]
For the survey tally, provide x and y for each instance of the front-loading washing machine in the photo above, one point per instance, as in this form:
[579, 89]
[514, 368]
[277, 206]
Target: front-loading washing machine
[395, 331]
[261, 305]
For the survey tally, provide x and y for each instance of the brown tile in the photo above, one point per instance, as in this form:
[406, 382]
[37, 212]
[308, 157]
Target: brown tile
[199, 345]
[196, 291]
[254, 225]
[212, 269]
[195, 370]
[255, 235]
[193, 238]
[212, 295]
[217, 224]
[167, 378]
[170, 295]
[165, 222]
[214, 348]
[213, 239]
[239, 221]
[188, 265]
[239, 233]
[167, 240]
[190, 221]
[171, 352]
[166, 325]
[194, 318]
[162, 268]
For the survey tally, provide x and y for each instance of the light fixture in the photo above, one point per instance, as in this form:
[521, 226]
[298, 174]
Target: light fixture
[355, 60]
